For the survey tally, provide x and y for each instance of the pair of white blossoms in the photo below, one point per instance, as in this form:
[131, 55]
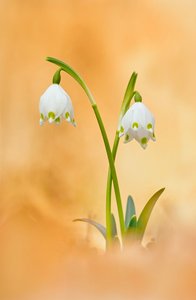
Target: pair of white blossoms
[137, 123]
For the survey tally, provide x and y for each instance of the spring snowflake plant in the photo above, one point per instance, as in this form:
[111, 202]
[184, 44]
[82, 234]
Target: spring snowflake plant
[135, 122]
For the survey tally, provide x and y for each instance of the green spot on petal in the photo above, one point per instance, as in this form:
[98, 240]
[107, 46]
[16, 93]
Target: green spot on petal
[144, 140]
[57, 120]
[135, 125]
[42, 117]
[67, 115]
[121, 129]
[149, 126]
[127, 137]
[51, 115]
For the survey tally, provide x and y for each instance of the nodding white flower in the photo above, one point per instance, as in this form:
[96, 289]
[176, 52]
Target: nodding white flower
[55, 103]
[137, 123]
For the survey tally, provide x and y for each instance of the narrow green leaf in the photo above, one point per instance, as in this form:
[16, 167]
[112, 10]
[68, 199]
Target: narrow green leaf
[130, 210]
[146, 213]
[132, 229]
[133, 222]
[113, 223]
[128, 93]
[99, 227]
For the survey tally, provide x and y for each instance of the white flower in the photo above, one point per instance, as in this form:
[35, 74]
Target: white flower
[137, 123]
[55, 103]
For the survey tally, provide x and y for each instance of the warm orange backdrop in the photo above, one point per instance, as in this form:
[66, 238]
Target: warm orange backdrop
[51, 175]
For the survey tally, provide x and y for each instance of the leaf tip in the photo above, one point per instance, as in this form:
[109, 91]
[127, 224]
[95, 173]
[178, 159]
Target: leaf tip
[49, 58]
[135, 74]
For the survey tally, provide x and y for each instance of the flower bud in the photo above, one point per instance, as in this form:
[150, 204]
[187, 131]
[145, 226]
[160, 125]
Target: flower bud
[138, 123]
[55, 103]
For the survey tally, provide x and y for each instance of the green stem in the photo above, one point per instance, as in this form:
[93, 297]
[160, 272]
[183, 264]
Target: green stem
[129, 93]
[113, 174]
[109, 191]
[66, 68]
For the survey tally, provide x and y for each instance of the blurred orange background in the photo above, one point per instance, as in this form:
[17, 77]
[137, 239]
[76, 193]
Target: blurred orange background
[51, 175]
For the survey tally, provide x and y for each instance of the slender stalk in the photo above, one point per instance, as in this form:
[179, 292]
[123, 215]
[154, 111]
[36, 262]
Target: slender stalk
[125, 105]
[109, 191]
[66, 68]
[113, 175]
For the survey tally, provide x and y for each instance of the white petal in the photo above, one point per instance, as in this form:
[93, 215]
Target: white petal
[54, 103]
[53, 100]
[143, 116]
[138, 123]
[125, 122]
[128, 136]
[150, 122]
[138, 119]
[142, 136]
[68, 112]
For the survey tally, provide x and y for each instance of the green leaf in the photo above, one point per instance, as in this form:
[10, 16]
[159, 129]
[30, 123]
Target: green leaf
[146, 213]
[113, 223]
[128, 94]
[130, 211]
[132, 229]
[99, 227]
[133, 222]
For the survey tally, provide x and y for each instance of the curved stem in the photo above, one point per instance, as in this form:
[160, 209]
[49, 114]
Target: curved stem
[129, 93]
[66, 68]
[77, 77]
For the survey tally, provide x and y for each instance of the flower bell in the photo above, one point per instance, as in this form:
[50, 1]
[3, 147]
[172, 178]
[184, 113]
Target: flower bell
[137, 123]
[55, 103]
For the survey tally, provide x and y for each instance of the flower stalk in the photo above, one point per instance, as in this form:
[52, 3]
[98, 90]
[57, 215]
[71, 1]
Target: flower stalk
[115, 181]
[129, 93]
[64, 67]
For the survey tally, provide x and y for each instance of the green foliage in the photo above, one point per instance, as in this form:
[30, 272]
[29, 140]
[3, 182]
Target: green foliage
[100, 227]
[113, 223]
[146, 213]
[128, 94]
[136, 227]
[133, 222]
[130, 211]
